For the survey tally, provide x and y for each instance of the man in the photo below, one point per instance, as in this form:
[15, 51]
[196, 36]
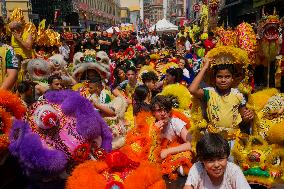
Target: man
[21, 40]
[55, 82]
[104, 42]
[9, 62]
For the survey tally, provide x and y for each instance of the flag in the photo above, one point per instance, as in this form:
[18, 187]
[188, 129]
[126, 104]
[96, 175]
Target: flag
[42, 24]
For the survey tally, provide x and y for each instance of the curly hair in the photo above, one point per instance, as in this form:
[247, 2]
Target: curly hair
[161, 101]
[177, 73]
[149, 76]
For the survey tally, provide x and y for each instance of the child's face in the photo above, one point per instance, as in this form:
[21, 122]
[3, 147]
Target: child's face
[161, 114]
[224, 79]
[170, 79]
[215, 167]
[181, 63]
[150, 84]
[121, 74]
[95, 88]
[131, 75]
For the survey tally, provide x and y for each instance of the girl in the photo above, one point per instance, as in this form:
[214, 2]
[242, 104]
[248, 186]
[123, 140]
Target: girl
[141, 99]
[225, 105]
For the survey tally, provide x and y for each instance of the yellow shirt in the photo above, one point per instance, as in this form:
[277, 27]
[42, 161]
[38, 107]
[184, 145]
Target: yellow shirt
[223, 110]
[18, 48]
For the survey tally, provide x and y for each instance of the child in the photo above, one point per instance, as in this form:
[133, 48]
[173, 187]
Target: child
[174, 136]
[141, 99]
[213, 170]
[128, 85]
[188, 73]
[174, 75]
[97, 92]
[225, 105]
[26, 93]
[149, 79]
[113, 111]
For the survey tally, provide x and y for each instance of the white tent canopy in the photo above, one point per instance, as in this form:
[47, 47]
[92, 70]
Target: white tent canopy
[110, 30]
[164, 26]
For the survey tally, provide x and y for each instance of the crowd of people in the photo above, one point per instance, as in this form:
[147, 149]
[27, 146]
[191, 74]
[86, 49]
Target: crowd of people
[102, 108]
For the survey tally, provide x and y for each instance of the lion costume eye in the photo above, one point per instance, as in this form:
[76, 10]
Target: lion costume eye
[276, 160]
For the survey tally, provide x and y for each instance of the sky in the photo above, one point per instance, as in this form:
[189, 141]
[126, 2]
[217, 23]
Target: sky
[131, 4]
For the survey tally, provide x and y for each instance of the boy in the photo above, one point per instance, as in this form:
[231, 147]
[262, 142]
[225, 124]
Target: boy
[173, 132]
[213, 170]
[225, 105]
[150, 79]
[128, 86]
[97, 92]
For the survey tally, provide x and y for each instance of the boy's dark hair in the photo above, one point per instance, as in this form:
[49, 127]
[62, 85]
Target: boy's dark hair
[177, 73]
[212, 145]
[149, 76]
[53, 77]
[162, 102]
[96, 80]
[24, 86]
[139, 96]
[140, 60]
[132, 68]
[211, 34]
[228, 67]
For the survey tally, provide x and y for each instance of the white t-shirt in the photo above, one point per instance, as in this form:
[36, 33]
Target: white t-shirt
[65, 51]
[233, 178]
[187, 45]
[173, 129]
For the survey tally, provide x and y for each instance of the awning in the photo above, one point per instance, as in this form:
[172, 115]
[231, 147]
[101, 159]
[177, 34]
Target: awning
[259, 3]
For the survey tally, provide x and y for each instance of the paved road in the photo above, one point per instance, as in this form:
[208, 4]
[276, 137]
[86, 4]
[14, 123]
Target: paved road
[11, 178]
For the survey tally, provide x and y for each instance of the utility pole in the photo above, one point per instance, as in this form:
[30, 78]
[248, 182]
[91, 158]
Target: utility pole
[4, 9]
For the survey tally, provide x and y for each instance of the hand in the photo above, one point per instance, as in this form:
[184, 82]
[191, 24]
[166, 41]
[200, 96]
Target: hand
[17, 35]
[206, 63]
[129, 101]
[164, 153]
[161, 124]
[247, 115]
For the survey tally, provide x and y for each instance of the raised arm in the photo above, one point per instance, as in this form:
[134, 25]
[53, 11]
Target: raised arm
[194, 87]
[10, 80]
[28, 44]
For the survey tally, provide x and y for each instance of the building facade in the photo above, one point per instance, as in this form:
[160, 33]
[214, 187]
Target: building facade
[78, 13]
[146, 11]
[12, 4]
[234, 12]
[176, 10]
[134, 17]
[124, 15]
[153, 11]
[95, 12]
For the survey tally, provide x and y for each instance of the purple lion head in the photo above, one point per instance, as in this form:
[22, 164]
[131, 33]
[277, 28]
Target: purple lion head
[46, 141]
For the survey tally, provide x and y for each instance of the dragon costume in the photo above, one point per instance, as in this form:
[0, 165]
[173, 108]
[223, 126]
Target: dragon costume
[261, 156]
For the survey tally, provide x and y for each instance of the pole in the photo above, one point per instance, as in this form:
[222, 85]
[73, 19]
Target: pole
[4, 9]
[268, 69]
